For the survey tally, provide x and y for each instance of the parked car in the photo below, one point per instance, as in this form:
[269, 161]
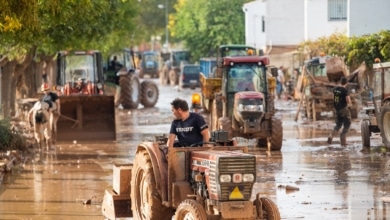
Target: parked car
[189, 76]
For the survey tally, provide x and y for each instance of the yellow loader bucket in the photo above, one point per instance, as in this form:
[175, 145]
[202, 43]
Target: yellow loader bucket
[85, 117]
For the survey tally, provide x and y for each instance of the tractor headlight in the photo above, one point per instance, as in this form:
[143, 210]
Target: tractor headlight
[248, 178]
[226, 178]
[250, 108]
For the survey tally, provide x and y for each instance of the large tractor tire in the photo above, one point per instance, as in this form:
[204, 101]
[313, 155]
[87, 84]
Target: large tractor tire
[385, 125]
[130, 91]
[276, 138]
[146, 202]
[190, 209]
[266, 208]
[149, 93]
[365, 128]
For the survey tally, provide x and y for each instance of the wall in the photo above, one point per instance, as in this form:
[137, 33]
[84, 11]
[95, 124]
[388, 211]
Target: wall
[316, 21]
[254, 36]
[368, 17]
[284, 24]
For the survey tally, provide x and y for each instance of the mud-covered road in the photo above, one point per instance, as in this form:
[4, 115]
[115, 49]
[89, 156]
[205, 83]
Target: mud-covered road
[333, 182]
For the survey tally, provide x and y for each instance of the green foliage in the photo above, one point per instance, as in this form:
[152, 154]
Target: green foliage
[355, 50]
[334, 45]
[10, 140]
[65, 25]
[369, 47]
[204, 25]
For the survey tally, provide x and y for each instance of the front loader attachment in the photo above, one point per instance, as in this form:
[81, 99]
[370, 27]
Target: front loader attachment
[86, 117]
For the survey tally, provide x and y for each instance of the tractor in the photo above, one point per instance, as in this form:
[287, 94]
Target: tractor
[87, 112]
[244, 112]
[173, 63]
[378, 113]
[150, 63]
[214, 182]
[123, 75]
[319, 77]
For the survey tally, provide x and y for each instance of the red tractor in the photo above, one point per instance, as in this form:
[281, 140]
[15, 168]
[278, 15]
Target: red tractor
[239, 98]
[188, 183]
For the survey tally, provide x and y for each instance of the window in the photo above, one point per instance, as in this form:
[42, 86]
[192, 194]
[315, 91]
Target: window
[337, 10]
[263, 24]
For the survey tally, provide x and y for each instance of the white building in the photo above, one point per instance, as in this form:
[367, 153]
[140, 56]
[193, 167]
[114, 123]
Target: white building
[286, 23]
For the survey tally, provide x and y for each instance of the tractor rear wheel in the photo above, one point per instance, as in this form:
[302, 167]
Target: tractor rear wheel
[365, 128]
[190, 209]
[130, 91]
[385, 125]
[149, 94]
[146, 202]
[276, 138]
[266, 208]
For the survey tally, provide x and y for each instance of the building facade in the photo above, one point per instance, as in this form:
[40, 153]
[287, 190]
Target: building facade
[287, 23]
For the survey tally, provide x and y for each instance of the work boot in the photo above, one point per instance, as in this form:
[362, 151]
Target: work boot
[343, 140]
[330, 137]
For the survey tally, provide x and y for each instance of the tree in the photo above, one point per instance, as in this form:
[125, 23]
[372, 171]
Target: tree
[204, 25]
[31, 31]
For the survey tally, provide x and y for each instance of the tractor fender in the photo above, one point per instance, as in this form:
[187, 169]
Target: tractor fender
[160, 166]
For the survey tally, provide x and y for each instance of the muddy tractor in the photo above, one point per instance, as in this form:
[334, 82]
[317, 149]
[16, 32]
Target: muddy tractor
[150, 63]
[173, 63]
[199, 183]
[378, 113]
[132, 92]
[240, 99]
[319, 77]
[87, 112]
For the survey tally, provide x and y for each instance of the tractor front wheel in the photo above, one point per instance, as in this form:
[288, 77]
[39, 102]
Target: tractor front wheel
[190, 209]
[266, 208]
[149, 93]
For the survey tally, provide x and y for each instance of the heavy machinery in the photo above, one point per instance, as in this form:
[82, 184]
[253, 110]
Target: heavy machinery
[150, 64]
[87, 112]
[173, 62]
[248, 114]
[319, 77]
[132, 91]
[378, 113]
[199, 183]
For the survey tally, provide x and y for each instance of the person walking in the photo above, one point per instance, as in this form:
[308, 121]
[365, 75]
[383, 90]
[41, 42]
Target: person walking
[190, 128]
[279, 82]
[341, 102]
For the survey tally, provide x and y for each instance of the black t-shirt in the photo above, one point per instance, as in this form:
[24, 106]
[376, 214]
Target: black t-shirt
[188, 131]
[50, 98]
[339, 94]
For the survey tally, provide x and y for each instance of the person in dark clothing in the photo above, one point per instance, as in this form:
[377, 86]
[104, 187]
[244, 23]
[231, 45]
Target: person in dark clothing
[114, 64]
[51, 98]
[189, 127]
[342, 102]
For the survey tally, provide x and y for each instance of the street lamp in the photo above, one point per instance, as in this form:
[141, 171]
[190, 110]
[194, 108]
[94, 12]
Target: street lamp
[161, 6]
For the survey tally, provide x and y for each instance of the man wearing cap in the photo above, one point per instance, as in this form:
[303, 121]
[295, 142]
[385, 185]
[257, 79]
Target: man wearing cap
[51, 98]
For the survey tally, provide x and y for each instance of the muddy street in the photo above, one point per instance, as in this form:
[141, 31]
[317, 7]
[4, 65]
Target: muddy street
[308, 178]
